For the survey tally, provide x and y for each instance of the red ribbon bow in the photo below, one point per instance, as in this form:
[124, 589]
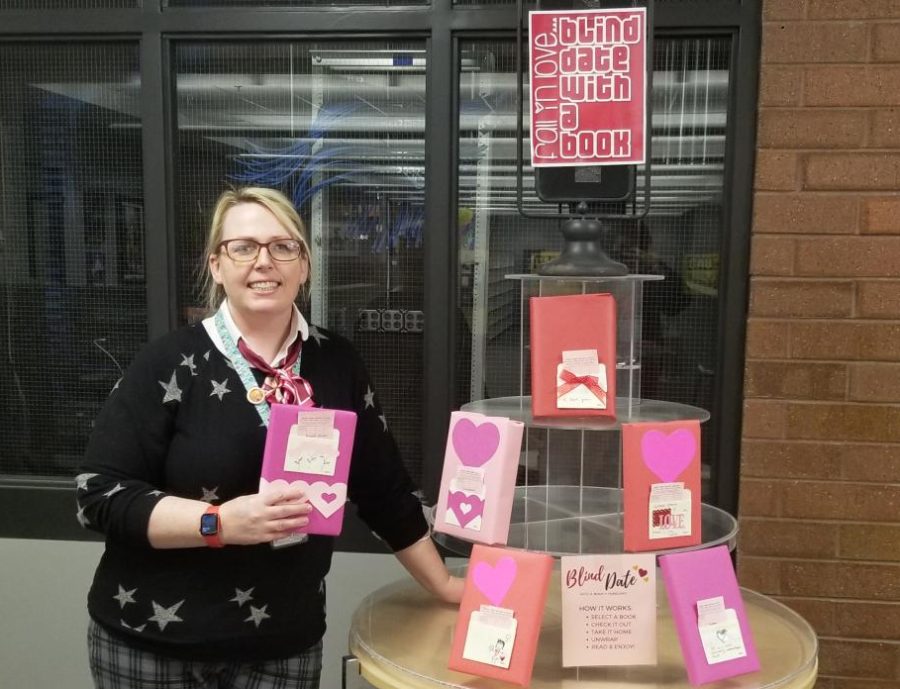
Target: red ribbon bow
[571, 381]
[281, 384]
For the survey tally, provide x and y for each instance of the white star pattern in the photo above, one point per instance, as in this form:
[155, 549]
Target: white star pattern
[112, 491]
[209, 494]
[257, 615]
[316, 335]
[229, 364]
[241, 597]
[124, 597]
[115, 387]
[136, 629]
[84, 521]
[369, 397]
[189, 362]
[383, 419]
[81, 481]
[206, 356]
[219, 389]
[173, 392]
[156, 492]
[162, 616]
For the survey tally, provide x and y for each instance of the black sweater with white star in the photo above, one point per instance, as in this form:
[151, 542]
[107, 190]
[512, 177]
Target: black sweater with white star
[179, 424]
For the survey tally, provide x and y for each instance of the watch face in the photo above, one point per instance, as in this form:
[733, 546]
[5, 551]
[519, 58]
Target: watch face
[209, 525]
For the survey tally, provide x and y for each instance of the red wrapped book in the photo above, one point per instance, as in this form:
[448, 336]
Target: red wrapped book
[573, 355]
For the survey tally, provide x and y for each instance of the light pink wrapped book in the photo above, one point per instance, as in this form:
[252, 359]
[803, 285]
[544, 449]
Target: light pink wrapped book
[311, 447]
[479, 478]
[709, 615]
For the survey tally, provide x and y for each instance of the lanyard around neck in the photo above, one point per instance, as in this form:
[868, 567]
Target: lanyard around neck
[242, 368]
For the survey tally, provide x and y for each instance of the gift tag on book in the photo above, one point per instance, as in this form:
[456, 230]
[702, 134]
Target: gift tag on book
[720, 631]
[312, 446]
[669, 510]
[581, 381]
[491, 636]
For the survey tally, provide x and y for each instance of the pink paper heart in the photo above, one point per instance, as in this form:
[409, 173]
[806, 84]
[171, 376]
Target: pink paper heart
[329, 497]
[495, 582]
[465, 507]
[474, 445]
[668, 455]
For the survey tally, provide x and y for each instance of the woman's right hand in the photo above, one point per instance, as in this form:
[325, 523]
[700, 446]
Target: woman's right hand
[263, 517]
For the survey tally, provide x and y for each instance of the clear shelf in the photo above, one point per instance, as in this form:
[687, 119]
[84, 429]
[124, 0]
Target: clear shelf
[518, 408]
[586, 279]
[401, 636]
[572, 520]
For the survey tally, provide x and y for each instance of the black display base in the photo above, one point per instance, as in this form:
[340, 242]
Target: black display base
[581, 254]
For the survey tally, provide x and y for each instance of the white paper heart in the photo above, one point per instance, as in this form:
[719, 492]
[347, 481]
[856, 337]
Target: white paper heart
[326, 499]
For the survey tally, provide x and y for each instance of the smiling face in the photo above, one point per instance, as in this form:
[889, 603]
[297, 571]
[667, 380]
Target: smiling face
[262, 287]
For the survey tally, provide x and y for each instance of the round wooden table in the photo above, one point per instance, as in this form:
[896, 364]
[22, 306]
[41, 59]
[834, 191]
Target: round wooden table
[401, 636]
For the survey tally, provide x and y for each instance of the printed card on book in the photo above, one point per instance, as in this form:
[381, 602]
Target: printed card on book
[608, 610]
[479, 477]
[709, 615]
[500, 615]
[573, 355]
[311, 447]
[661, 481]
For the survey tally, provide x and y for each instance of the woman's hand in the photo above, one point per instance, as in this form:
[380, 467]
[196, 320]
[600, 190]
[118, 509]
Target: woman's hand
[263, 517]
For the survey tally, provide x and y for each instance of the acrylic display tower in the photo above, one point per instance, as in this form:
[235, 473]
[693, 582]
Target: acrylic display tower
[570, 502]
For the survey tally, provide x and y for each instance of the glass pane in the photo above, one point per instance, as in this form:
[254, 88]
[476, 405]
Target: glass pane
[339, 127]
[73, 300]
[293, 3]
[67, 4]
[681, 238]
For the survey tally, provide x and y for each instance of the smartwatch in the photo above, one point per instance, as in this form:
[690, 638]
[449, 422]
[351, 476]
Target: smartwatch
[211, 527]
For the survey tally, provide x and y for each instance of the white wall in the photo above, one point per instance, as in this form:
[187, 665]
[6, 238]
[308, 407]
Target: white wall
[43, 619]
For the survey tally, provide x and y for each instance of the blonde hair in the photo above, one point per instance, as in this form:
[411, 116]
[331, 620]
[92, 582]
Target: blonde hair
[273, 201]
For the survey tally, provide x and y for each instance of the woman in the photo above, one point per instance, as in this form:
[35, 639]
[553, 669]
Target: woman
[179, 441]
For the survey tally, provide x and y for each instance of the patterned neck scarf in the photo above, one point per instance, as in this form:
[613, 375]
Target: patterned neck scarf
[284, 384]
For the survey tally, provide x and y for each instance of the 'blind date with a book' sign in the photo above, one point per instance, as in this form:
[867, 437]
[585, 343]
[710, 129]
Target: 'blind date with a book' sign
[588, 87]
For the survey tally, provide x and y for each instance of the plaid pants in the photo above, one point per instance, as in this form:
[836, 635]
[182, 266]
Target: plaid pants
[116, 665]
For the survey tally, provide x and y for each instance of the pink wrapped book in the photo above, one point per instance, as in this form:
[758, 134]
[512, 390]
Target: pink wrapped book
[500, 615]
[479, 477]
[311, 447]
[709, 615]
[661, 483]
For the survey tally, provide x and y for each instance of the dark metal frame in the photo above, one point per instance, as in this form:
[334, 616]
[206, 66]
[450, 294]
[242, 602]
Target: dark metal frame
[44, 508]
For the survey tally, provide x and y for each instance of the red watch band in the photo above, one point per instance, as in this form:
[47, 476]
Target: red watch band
[211, 527]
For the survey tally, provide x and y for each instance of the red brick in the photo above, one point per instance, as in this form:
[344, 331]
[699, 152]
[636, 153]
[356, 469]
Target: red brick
[840, 580]
[812, 128]
[763, 419]
[881, 216]
[855, 683]
[836, 421]
[780, 538]
[852, 171]
[875, 382]
[805, 213]
[853, 9]
[808, 42]
[852, 85]
[780, 85]
[821, 614]
[761, 574]
[867, 620]
[767, 339]
[801, 298]
[776, 171]
[759, 498]
[869, 659]
[771, 255]
[845, 340]
[784, 9]
[778, 459]
[875, 542]
[871, 462]
[886, 42]
[846, 501]
[878, 299]
[885, 129]
[848, 256]
[791, 380]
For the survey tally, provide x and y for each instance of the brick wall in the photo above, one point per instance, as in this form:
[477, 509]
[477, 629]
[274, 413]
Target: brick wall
[820, 464]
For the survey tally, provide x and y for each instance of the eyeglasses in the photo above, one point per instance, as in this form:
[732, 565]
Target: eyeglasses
[246, 250]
